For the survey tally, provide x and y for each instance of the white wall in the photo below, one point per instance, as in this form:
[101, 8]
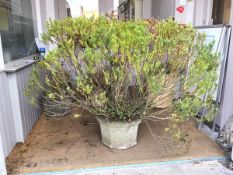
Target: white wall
[48, 9]
[17, 116]
[147, 9]
[106, 6]
[203, 12]
[200, 12]
[138, 7]
[163, 9]
[155, 11]
[196, 12]
[7, 124]
[187, 17]
[227, 106]
[60, 9]
[1, 55]
[2, 159]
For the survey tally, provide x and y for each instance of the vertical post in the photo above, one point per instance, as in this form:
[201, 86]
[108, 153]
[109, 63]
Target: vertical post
[45, 10]
[1, 55]
[15, 102]
[138, 5]
[2, 159]
[2, 156]
[198, 11]
[50, 9]
[38, 17]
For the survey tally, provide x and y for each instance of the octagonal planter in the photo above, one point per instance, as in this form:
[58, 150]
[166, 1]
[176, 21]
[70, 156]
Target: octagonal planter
[119, 135]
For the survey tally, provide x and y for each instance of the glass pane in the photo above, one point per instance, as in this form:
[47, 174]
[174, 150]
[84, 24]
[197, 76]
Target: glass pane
[16, 29]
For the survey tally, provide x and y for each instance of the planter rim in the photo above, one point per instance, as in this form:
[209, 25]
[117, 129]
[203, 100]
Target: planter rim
[121, 122]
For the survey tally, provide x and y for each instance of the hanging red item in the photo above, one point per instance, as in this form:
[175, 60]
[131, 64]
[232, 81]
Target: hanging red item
[180, 9]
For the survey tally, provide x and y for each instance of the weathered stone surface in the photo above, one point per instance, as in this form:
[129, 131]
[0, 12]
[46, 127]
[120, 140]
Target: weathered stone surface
[119, 135]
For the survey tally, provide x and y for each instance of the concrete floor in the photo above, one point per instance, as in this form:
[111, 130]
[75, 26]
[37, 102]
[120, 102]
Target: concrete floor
[75, 143]
[170, 168]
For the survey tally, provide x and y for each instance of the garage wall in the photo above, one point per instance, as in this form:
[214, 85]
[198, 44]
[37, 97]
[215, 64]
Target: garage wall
[163, 9]
[105, 6]
[29, 114]
[203, 12]
[196, 12]
[2, 160]
[60, 9]
[147, 9]
[7, 125]
[227, 105]
[17, 116]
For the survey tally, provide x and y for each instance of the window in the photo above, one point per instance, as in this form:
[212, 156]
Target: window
[126, 10]
[16, 29]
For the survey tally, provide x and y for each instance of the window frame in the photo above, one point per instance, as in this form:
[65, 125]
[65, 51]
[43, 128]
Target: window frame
[23, 60]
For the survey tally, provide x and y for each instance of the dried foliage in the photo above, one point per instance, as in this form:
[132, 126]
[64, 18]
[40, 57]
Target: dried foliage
[123, 71]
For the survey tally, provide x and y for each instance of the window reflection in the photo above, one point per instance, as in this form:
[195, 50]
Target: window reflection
[16, 29]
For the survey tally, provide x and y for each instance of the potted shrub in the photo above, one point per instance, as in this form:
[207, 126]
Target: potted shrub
[120, 70]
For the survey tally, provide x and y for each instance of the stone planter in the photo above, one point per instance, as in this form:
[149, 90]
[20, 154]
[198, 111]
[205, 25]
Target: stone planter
[119, 135]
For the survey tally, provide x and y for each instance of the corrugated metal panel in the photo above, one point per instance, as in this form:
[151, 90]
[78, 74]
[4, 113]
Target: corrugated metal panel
[227, 104]
[29, 114]
[2, 158]
[163, 9]
[167, 9]
[17, 116]
[7, 127]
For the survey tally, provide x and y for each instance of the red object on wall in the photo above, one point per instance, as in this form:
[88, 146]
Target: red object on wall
[180, 9]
